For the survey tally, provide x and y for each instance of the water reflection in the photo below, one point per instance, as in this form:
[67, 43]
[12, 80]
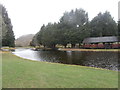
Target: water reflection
[108, 60]
[27, 54]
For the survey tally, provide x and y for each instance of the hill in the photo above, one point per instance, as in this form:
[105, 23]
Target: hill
[24, 40]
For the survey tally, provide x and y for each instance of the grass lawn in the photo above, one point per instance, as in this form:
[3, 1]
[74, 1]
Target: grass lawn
[21, 73]
[74, 49]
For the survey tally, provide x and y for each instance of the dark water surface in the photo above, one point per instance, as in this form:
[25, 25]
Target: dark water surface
[107, 60]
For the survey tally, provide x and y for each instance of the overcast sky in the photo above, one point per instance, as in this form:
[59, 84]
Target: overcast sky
[28, 16]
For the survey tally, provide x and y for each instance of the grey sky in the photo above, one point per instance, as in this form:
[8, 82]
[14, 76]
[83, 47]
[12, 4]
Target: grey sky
[28, 16]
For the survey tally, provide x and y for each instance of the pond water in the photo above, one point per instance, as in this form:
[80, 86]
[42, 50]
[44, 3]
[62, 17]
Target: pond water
[107, 60]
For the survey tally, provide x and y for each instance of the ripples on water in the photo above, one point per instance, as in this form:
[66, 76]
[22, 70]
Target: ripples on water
[107, 60]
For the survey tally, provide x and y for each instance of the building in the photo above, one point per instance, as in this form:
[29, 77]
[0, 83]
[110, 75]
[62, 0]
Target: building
[101, 42]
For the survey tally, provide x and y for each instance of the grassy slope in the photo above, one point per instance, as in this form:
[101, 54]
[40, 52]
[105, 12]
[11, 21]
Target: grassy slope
[73, 49]
[20, 73]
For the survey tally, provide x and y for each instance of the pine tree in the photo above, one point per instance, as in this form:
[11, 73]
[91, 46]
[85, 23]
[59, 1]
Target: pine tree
[7, 32]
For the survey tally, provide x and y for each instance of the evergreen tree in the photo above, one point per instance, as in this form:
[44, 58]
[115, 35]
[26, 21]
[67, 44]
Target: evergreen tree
[119, 28]
[7, 32]
[0, 25]
[74, 23]
[103, 25]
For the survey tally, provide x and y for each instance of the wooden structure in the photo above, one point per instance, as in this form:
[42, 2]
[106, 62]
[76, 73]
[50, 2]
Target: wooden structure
[101, 42]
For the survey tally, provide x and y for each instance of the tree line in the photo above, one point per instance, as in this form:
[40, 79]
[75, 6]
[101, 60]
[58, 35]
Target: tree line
[73, 27]
[7, 34]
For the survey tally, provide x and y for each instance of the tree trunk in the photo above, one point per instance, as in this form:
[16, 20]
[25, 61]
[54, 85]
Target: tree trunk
[73, 45]
[65, 45]
[44, 46]
[53, 46]
[79, 45]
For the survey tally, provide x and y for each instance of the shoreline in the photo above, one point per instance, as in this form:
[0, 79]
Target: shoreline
[98, 50]
[98, 68]
[73, 65]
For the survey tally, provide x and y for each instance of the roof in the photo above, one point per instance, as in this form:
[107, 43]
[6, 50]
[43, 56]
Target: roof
[100, 39]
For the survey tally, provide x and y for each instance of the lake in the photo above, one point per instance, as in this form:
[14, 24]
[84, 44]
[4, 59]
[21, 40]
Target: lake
[102, 59]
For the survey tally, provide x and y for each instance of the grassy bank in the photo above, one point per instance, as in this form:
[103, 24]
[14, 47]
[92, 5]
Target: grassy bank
[72, 49]
[20, 73]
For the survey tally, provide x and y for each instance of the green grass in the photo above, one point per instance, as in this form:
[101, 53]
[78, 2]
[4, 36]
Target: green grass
[75, 49]
[21, 73]
[0, 71]
[106, 49]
